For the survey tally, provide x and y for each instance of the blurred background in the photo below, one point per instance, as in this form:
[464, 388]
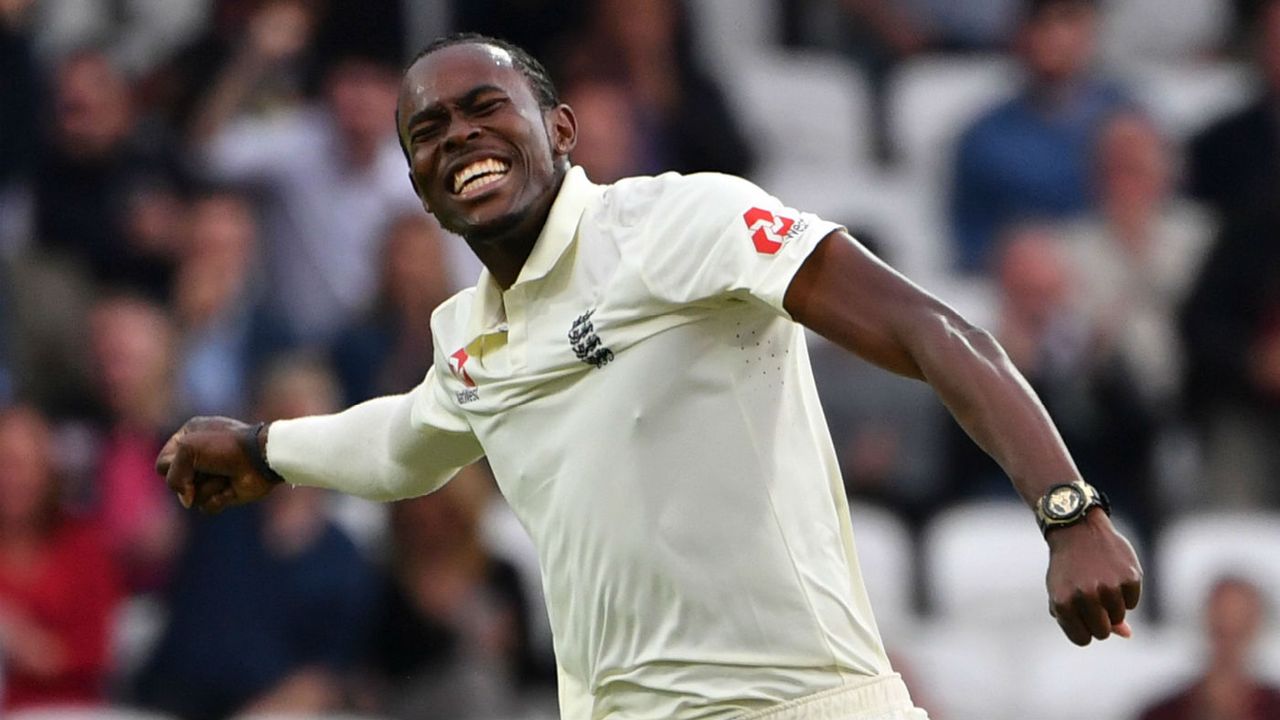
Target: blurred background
[203, 209]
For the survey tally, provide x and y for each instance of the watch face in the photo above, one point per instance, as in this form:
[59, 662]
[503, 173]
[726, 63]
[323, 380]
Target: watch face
[1063, 502]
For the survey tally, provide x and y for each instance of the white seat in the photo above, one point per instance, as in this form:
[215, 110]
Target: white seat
[985, 564]
[1156, 30]
[1109, 680]
[958, 672]
[932, 100]
[803, 109]
[887, 559]
[1186, 97]
[729, 30]
[1268, 651]
[1195, 551]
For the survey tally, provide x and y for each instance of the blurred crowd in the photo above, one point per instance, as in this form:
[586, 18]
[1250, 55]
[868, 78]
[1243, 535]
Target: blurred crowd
[204, 210]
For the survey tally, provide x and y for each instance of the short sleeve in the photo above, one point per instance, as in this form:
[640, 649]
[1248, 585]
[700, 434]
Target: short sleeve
[709, 236]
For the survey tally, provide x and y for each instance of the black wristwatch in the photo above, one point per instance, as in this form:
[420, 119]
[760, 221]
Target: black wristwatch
[1066, 504]
[251, 442]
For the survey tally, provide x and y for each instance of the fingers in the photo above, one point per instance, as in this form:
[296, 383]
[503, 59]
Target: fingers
[1113, 603]
[1131, 590]
[1094, 615]
[180, 475]
[165, 458]
[1073, 626]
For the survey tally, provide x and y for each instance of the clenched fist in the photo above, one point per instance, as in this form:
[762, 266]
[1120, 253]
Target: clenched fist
[213, 463]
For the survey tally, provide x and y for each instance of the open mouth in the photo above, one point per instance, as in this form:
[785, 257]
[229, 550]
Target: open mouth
[479, 175]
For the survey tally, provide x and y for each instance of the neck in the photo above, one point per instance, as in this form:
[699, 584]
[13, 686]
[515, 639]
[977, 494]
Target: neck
[505, 251]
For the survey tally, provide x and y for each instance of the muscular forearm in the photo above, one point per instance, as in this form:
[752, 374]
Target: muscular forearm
[993, 403]
[375, 450]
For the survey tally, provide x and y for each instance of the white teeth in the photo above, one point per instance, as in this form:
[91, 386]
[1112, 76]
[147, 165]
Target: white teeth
[487, 171]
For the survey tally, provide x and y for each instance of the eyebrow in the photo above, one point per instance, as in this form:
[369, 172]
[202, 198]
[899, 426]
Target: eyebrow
[436, 109]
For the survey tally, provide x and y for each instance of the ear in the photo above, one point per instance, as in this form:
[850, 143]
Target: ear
[562, 130]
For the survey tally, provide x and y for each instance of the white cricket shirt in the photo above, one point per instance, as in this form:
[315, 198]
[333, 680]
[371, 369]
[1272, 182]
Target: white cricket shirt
[649, 412]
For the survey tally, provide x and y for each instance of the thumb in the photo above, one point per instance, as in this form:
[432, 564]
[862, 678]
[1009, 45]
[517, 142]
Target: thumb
[1123, 629]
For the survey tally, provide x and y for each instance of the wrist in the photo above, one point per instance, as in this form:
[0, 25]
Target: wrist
[255, 444]
[1095, 520]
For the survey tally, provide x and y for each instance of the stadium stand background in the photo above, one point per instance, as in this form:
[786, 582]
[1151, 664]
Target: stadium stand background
[202, 210]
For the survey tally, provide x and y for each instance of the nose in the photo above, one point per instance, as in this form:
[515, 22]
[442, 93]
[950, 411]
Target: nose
[461, 131]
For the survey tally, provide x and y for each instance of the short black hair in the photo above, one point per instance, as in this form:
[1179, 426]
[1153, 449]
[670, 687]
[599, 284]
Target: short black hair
[544, 89]
[534, 72]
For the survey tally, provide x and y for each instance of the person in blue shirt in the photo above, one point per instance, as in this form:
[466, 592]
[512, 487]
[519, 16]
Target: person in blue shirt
[1029, 157]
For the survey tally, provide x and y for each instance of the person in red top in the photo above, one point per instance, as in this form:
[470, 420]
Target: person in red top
[1228, 690]
[58, 586]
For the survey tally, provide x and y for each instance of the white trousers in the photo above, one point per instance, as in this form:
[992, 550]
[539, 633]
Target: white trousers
[879, 698]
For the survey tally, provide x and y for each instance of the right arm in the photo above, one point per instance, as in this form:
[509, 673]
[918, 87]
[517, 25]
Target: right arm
[385, 449]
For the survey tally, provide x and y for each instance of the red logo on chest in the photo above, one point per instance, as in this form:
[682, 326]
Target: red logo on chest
[767, 230]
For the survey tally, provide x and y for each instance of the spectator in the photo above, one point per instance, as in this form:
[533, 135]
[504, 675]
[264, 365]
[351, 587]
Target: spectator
[1228, 689]
[647, 47]
[216, 304]
[1138, 256]
[131, 341]
[1235, 164]
[331, 174]
[1231, 331]
[284, 29]
[58, 586]
[270, 605]
[390, 350]
[103, 189]
[452, 640]
[1029, 156]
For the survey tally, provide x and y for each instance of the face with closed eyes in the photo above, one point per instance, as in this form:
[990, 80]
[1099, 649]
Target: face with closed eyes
[485, 158]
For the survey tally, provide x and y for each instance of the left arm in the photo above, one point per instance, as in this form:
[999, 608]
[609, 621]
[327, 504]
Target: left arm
[853, 299]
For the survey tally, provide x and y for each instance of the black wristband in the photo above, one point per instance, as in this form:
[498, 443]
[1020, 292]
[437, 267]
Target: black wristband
[252, 443]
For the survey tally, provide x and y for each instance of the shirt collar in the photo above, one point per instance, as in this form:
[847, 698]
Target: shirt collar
[576, 192]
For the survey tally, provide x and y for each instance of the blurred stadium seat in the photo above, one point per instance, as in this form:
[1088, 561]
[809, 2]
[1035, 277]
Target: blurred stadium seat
[1060, 681]
[933, 99]
[985, 564]
[887, 559]
[1186, 97]
[1146, 30]
[727, 31]
[802, 110]
[959, 672]
[1195, 551]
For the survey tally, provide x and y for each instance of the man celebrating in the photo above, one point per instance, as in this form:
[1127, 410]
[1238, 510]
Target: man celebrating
[632, 364]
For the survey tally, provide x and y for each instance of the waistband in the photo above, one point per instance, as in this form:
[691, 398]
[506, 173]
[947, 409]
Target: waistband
[870, 698]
